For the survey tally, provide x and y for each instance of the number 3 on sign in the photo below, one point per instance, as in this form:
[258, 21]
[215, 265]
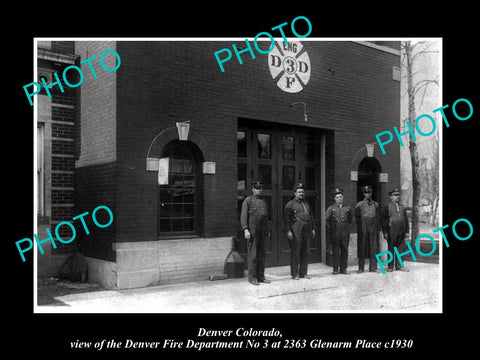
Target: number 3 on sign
[291, 65]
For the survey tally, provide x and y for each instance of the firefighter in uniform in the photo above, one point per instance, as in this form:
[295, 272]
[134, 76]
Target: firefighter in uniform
[395, 227]
[367, 216]
[298, 222]
[254, 221]
[338, 219]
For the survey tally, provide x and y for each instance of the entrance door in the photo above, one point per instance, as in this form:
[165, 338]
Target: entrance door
[368, 174]
[279, 156]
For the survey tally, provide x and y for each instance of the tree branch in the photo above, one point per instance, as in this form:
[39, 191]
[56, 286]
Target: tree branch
[418, 54]
[422, 84]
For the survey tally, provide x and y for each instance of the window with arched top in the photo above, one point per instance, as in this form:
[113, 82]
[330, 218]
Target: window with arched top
[180, 210]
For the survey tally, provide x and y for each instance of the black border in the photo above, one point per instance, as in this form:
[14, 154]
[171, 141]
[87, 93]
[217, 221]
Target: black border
[432, 333]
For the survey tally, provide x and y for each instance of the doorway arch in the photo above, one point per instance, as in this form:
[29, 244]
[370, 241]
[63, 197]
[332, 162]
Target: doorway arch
[369, 169]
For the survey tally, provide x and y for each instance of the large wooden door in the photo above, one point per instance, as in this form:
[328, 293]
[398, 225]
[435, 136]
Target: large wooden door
[279, 156]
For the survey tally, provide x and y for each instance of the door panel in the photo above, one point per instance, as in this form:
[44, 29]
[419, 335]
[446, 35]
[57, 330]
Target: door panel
[279, 157]
[263, 167]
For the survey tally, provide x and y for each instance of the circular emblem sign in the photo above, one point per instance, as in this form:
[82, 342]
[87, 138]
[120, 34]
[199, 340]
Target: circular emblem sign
[290, 66]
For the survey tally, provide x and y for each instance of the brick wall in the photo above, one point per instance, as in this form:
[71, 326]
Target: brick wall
[95, 186]
[56, 115]
[63, 47]
[62, 146]
[95, 153]
[97, 106]
[350, 97]
[351, 94]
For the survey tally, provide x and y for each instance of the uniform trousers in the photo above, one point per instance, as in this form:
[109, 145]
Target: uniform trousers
[396, 238]
[256, 247]
[340, 240]
[300, 248]
[368, 238]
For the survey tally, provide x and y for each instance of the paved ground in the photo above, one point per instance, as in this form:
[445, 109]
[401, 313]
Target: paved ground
[418, 290]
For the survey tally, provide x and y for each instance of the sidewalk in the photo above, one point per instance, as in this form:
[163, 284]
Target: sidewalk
[418, 290]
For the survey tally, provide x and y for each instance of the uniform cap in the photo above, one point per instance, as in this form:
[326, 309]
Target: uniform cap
[257, 184]
[338, 191]
[367, 189]
[298, 186]
[394, 192]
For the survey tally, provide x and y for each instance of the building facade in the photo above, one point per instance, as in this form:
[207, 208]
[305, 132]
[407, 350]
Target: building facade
[304, 112]
[56, 121]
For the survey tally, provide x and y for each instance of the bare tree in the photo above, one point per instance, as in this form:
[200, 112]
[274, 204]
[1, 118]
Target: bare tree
[416, 89]
[430, 175]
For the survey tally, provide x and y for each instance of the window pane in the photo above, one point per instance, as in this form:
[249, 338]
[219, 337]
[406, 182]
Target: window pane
[242, 177]
[189, 224]
[189, 210]
[175, 180]
[176, 166]
[310, 178]
[165, 210]
[288, 147]
[288, 177]
[165, 225]
[165, 196]
[179, 153]
[265, 175]
[177, 194]
[188, 198]
[177, 224]
[264, 146]
[188, 167]
[177, 201]
[177, 210]
[189, 182]
[310, 150]
[241, 144]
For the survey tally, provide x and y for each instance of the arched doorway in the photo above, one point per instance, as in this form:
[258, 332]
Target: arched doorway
[368, 174]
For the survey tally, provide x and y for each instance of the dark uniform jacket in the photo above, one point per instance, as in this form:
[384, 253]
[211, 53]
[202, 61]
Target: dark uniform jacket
[394, 213]
[336, 213]
[367, 209]
[252, 206]
[297, 210]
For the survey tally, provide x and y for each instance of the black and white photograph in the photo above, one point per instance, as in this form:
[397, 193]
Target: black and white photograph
[212, 184]
[190, 180]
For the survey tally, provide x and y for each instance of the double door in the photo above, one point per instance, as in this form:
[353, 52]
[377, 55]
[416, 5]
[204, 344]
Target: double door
[280, 156]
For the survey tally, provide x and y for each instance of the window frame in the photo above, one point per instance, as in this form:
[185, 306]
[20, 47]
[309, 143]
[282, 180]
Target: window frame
[198, 194]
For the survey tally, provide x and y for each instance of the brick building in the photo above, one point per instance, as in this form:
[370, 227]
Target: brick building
[301, 113]
[55, 151]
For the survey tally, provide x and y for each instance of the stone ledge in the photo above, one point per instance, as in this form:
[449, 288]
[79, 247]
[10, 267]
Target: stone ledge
[149, 263]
